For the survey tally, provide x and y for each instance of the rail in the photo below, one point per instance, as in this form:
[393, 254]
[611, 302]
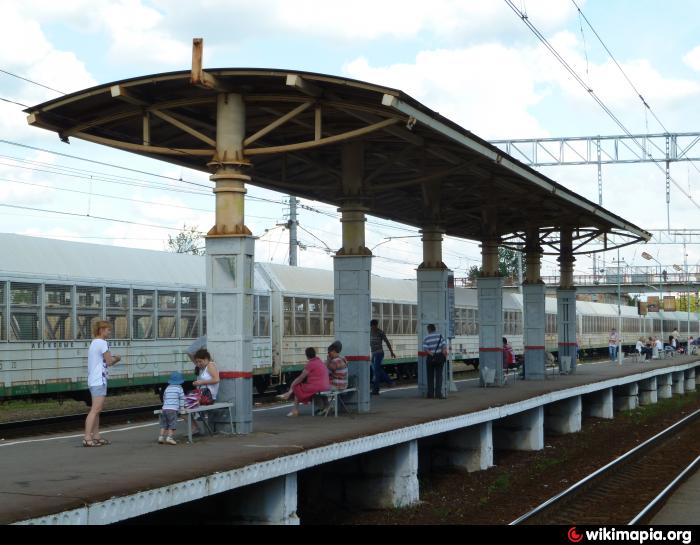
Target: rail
[605, 470]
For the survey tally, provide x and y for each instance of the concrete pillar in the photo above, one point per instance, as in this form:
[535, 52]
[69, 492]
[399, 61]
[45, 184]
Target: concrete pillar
[534, 310]
[432, 302]
[230, 250]
[352, 267]
[697, 377]
[468, 449]
[563, 416]
[490, 293]
[648, 391]
[269, 502]
[566, 303]
[522, 431]
[626, 397]
[679, 382]
[664, 386]
[690, 380]
[599, 404]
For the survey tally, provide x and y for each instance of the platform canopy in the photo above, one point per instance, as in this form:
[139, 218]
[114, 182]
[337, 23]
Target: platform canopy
[419, 167]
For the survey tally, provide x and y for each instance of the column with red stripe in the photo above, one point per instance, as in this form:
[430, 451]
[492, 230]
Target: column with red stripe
[566, 304]
[534, 308]
[230, 249]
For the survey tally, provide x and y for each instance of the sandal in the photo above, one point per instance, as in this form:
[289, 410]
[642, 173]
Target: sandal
[293, 413]
[102, 441]
[91, 443]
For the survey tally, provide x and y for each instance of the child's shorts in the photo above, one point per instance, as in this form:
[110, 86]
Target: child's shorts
[168, 419]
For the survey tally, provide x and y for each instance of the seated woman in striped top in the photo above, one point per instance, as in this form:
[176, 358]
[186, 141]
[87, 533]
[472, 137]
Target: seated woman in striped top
[337, 367]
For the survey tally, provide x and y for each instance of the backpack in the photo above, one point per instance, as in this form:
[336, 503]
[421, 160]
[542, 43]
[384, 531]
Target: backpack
[205, 397]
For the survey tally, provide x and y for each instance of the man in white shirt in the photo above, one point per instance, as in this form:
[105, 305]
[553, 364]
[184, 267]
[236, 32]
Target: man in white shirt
[612, 344]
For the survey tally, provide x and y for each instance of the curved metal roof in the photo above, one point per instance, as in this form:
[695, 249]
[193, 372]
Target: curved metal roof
[420, 168]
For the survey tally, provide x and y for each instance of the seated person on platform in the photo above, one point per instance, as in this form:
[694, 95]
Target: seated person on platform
[692, 345]
[313, 379]
[337, 367]
[647, 349]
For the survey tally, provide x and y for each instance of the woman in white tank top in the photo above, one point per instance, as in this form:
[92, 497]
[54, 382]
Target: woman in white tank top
[209, 374]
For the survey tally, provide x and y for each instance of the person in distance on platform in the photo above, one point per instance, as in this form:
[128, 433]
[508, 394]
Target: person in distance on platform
[436, 347]
[376, 337]
[208, 376]
[313, 379]
[613, 339]
[99, 360]
[648, 348]
[659, 346]
[640, 345]
[173, 401]
[508, 355]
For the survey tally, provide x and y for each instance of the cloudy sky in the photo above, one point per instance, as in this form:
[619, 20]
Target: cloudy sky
[474, 61]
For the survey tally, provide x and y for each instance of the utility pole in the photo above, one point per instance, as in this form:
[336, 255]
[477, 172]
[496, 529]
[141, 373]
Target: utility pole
[292, 226]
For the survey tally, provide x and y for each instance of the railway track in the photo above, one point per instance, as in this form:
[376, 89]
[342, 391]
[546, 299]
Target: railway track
[627, 487]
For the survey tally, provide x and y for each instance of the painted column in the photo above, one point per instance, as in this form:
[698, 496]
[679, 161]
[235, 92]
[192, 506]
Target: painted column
[534, 309]
[664, 386]
[352, 267]
[566, 304]
[626, 397]
[690, 380]
[230, 265]
[432, 302]
[490, 293]
[678, 382]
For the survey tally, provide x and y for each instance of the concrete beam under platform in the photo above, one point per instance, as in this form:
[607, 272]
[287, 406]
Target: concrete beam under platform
[563, 417]
[648, 391]
[270, 502]
[522, 431]
[679, 382]
[626, 397]
[599, 404]
[665, 386]
[690, 380]
[468, 449]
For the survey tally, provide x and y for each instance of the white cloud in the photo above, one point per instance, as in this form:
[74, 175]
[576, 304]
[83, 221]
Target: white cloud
[692, 58]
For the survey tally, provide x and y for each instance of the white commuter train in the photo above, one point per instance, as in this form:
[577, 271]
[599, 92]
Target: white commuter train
[51, 291]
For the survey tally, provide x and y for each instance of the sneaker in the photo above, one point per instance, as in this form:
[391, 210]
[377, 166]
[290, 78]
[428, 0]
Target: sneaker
[161, 439]
[170, 441]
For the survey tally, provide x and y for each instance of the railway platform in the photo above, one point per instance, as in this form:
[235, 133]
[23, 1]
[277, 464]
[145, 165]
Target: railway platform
[371, 459]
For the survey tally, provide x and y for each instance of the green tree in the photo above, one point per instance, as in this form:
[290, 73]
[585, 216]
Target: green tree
[187, 241]
[507, 265]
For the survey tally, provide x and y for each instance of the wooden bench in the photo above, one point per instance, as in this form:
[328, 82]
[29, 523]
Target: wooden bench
[202, 409]
[333, 396]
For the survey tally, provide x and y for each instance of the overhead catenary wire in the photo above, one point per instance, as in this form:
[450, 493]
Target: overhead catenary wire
[523, 17]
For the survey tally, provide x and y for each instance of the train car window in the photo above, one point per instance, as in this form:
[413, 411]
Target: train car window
[406, 317]
[89, 303]
[2, 311]
[204, 314]
[396, 322]
[144, 306]
[386, 319]
[118, 312]
[300, 316]
[58, 310]
[288, 305]
[414, 318]
[24, 311]
[167, 315]
[328, 316]
[377, 311]
[315, 317]
[263, 316]
[189, 315]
